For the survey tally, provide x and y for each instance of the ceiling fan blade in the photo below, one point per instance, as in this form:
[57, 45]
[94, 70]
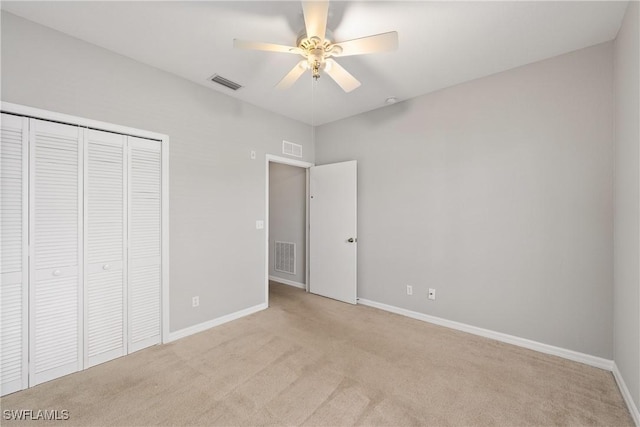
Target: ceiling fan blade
[379, 43]
[270, 47]
[292, 76]
[341, 76]
[315, 18]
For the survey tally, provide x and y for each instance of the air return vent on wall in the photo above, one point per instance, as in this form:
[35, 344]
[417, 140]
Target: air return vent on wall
[285, 257]
[291, 149]
[225, 82]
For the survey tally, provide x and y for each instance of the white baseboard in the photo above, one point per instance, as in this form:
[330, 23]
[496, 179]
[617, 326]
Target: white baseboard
[288, 282]
[587, 359]
[215, 322]
[633, 408]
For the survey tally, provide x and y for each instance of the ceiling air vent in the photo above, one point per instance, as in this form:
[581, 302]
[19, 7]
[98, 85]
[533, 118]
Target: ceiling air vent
[225, 82]
[291, 149]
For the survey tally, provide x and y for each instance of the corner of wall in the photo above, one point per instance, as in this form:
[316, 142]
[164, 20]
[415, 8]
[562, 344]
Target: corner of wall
[626, 328]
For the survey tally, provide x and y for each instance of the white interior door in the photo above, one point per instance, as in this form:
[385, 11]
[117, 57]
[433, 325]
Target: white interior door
[105, 213]
[55, 315]
[13, 252]
[333, 231]
[145, 243]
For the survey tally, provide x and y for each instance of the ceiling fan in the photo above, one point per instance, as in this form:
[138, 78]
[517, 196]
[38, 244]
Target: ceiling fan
[318, 51]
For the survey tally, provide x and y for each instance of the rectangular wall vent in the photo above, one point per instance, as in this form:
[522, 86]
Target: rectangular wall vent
[285, 257]
[225, 82]
[291, 149]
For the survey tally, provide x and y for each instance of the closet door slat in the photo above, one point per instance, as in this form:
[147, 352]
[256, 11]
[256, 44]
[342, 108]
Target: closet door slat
[13, 253]
[144, 242]
[56, 185]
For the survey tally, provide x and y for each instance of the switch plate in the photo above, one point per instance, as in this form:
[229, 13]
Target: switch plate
[432, 293]
[195, 301]
[259, 224]
[409, 290]
[253, 155]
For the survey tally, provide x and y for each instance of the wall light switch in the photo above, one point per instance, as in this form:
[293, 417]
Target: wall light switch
[259, 224]
[253, 155]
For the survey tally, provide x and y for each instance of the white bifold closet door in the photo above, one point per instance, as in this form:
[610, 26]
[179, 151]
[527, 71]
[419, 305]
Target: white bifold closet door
[144, 232]
[81, 248]
[105, 247]
[14, 180]
[55, 294]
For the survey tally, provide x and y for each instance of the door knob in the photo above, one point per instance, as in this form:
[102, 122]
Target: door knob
[351, 240]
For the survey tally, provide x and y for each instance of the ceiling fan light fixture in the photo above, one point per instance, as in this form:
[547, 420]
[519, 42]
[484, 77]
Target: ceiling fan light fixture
[316, 66]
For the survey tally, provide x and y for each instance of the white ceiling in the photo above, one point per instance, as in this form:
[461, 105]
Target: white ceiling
[441, 43]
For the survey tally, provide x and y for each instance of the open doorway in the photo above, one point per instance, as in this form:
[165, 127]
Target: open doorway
[287, 224]
[330, 248]
[287, 184]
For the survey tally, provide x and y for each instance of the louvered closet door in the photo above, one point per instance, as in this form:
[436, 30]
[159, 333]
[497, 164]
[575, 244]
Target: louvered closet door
[55, 233]
[104, 292]
[14, 256]
[144, 279]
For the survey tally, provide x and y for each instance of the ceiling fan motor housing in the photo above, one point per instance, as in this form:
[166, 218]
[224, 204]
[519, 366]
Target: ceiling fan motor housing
[316, 51]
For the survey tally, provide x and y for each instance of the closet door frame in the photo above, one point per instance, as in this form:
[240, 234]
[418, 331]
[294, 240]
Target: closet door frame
[31, 112]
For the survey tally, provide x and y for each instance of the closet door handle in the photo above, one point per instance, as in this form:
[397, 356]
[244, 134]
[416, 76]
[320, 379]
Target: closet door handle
[106, 267]
[57, 272]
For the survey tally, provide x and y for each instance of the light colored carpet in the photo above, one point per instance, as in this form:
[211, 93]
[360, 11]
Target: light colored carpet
[308, 360]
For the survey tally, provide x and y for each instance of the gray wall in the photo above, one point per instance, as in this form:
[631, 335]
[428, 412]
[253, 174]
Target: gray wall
[287, 215]
[627, 202]
[216, 192]
[496, 192]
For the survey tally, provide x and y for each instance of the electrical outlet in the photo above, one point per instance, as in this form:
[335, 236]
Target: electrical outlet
[409, 290]
[259, 225]
[432, 293]
[195, 301]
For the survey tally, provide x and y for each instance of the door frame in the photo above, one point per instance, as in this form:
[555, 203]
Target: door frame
[270, 158]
